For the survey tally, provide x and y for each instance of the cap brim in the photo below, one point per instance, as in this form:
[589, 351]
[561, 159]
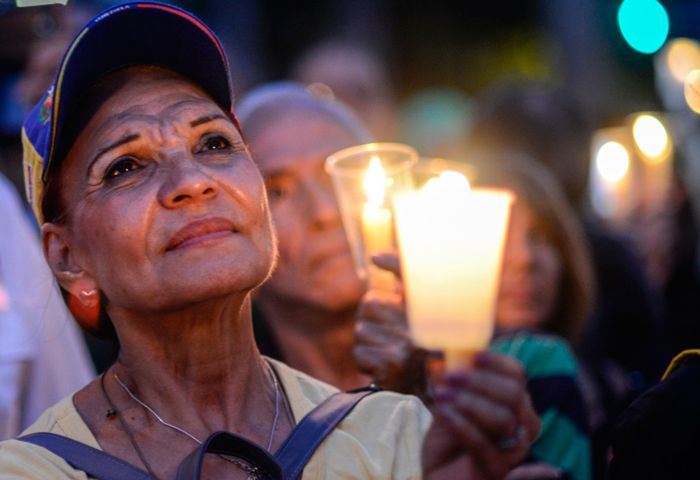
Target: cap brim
[139, 34]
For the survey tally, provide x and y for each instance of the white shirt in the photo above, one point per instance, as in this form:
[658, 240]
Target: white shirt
[43, 357]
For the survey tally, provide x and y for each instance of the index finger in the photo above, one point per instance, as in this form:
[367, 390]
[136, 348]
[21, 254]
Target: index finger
[500, 363]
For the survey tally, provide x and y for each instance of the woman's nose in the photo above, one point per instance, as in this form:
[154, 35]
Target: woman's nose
[186, 183]
[519, 254]
[323, 206]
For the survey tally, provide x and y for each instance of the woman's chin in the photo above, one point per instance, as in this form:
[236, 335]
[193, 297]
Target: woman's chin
[340, 299]
[517, 319]
[202, 285]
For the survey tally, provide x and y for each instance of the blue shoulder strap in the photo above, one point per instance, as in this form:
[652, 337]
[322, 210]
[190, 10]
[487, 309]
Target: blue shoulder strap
[92, 461]
[292, 456]
[301, 444]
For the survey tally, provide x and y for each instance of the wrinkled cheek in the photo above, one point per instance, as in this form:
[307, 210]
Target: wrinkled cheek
[111, 252]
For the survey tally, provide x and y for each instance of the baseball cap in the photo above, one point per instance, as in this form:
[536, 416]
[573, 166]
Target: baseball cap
[139, 33]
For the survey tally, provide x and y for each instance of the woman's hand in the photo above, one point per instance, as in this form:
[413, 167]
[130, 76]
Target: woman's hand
[383, 346]
[484, 421]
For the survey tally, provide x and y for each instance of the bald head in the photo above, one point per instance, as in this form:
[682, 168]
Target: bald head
[291, 132]
[287, 99]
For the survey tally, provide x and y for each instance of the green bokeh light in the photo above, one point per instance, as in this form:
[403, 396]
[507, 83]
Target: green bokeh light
[644, 24]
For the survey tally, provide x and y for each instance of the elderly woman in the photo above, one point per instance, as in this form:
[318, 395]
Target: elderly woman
[305, 313]
[153, 211]
[314, 314]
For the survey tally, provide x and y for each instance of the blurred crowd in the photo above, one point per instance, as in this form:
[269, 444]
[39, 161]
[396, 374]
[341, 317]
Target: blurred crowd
[600, 285]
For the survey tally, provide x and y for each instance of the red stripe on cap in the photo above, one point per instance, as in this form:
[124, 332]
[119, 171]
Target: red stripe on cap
[236, 123]
[188, 17]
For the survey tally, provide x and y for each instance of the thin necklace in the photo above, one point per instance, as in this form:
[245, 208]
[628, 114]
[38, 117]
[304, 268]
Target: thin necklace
[252, 471]
[111, 413]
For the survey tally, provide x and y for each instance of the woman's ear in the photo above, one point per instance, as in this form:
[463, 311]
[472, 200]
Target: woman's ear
[84, 298]
[59, 256]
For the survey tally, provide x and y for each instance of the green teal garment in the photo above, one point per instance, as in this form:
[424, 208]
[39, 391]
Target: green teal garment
[552, 381]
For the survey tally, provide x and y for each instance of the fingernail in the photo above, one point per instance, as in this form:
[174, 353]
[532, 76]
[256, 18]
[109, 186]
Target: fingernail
[442, 393]
[457, 379]
[380, 257]
[482, 359]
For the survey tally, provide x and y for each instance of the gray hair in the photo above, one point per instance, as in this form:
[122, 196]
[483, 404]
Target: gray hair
[280, 96]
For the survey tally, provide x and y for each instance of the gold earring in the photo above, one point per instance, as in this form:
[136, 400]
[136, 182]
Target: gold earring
[86, 295]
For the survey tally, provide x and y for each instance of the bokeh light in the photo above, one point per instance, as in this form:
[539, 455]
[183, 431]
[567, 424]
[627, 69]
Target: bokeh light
[449, 182]
[612, 162]
[644, 24]
[651, 136]
[691, 90]
[683, 57]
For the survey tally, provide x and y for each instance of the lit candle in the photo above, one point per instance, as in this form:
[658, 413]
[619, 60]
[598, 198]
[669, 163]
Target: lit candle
[377, 231]
[655, 152]
[611, 187]
[451, 241]
[365, 179]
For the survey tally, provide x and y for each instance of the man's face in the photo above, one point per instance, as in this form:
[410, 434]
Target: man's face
[315, 266]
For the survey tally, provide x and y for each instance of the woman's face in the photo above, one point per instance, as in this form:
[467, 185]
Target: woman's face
[165, 207]
[532, 271]
[315, 267]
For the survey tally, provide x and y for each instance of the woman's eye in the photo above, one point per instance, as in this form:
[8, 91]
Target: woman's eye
[216, 142]
[540, 235]
[121, 166]
[276, 193]
[277, 188]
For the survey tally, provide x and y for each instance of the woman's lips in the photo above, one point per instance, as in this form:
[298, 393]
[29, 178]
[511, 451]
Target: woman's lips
[200, 231]
[520, 293]
[329, 250]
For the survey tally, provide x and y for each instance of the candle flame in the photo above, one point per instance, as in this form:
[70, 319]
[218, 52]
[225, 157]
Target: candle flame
[612, 162]
[449, 182]
[651, 137]
[374, 183]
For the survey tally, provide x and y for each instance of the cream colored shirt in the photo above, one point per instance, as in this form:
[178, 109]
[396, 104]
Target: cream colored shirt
[380, 439]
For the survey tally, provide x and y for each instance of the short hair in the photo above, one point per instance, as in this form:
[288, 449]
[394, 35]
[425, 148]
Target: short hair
[266, 101]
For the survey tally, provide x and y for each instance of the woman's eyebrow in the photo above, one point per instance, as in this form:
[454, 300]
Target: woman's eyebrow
[207, 118]
[125, 139]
